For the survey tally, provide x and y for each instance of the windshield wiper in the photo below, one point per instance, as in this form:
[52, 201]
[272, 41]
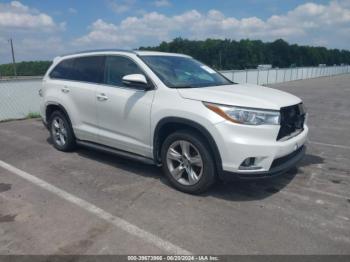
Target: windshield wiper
[184, 86]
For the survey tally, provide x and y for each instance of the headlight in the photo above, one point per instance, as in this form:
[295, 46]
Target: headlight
[247, 116]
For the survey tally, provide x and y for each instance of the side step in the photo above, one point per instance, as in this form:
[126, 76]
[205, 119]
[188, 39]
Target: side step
[115, 151]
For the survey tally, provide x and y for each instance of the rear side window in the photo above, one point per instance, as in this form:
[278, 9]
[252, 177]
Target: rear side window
[89, 69]
[63, 70]
[118, 66]
[84, 69]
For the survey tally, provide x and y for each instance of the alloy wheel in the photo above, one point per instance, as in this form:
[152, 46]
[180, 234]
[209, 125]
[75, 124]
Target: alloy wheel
[184, 162]
[59, 131]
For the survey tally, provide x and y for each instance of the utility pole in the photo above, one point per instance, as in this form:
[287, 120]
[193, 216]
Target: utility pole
[13, 58]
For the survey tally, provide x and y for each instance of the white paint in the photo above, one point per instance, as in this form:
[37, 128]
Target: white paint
[313, 190]
[295, 195]
[344, 218]
[327, 193]
[116, 221]
[319, 201]
[330, 145]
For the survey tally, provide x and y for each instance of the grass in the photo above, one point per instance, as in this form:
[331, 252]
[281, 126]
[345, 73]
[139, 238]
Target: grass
[30, 115]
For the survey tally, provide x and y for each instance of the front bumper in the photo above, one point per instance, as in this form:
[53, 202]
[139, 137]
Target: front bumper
[279, 167]
[239, 142]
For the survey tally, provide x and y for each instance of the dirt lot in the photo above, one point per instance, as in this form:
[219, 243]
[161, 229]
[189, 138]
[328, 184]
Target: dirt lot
[88, 202]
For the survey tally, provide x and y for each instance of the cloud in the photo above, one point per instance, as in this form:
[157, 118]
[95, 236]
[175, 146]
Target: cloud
[72, 10]
[36, 35]
[32, 48]
[15, 15]
[103, 33]
[50, 47]
[162, 3]
[309, 23]
[120, 7]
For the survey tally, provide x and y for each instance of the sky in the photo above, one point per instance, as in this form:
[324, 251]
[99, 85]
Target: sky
[42, 30]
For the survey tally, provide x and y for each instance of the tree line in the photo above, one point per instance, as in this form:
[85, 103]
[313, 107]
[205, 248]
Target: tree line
[230, 54]
[224, 55]
[31, 68]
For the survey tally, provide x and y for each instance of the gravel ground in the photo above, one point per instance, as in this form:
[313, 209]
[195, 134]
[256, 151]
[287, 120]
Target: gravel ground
[307, 211]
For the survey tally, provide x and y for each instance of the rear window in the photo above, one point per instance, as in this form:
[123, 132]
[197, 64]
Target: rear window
[84, 69]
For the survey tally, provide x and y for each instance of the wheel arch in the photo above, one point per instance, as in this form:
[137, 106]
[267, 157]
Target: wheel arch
[169, 125]
[52, 107]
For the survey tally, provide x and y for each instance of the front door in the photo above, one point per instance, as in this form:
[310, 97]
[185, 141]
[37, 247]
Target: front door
[123, 113]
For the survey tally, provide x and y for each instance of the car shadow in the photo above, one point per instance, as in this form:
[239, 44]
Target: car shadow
[246, 190]
[128, 165]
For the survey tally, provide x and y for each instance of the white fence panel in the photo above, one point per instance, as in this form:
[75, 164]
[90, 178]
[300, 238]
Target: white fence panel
[252, 76]
[272, 76]
[239, 76]
[20, 97]
[228, 74]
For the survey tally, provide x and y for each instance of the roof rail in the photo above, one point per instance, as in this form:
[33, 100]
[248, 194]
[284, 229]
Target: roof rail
[99, 50]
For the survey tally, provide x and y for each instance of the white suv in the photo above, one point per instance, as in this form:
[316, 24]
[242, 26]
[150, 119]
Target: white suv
[173, 111]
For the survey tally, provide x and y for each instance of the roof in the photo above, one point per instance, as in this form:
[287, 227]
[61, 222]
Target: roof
[137, 52]
[154, 53]
[98, 51]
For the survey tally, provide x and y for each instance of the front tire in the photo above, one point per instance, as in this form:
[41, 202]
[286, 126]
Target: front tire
[61, 132]
[187, 162]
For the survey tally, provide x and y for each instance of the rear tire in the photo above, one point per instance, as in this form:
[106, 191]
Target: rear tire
[187, 162]
[61, 131]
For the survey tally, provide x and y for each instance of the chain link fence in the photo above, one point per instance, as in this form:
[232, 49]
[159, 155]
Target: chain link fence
[280, 75]
[19, 97]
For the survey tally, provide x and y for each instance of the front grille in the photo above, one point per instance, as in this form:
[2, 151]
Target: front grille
[292, 120]
[279, 161]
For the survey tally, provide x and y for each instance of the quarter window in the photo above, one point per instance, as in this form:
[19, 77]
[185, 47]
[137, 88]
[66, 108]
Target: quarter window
[84, 69]
[63, 70]
[117, 67]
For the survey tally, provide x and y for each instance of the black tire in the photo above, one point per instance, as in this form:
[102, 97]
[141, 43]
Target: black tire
[69, 144]
[208, 175]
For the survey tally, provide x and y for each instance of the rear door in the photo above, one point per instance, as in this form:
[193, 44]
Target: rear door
[79, 78]
[123, 113]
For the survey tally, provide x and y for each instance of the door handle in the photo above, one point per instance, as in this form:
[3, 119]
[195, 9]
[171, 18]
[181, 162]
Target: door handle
[65, 89]
[102, 97]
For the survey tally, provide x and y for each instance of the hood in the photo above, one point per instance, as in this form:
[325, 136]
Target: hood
[244, 95]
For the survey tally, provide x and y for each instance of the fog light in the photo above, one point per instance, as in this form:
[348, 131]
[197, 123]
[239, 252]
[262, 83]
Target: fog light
[249, 164]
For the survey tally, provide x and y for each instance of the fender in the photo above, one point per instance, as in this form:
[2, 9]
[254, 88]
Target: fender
[202, 130]
[61, 108]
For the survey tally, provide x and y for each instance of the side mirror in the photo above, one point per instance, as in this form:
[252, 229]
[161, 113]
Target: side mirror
[135, 80]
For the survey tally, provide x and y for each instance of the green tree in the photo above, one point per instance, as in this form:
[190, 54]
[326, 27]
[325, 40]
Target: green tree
[231, 54]
[31, 68]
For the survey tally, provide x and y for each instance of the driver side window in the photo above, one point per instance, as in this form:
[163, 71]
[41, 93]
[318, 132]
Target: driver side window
[116, 67]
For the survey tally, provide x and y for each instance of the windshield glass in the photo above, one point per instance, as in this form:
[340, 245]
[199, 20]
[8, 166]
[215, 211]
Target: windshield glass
[184, 72]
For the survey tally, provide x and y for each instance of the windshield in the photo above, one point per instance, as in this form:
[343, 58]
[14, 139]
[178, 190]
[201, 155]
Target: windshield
[184, 72]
